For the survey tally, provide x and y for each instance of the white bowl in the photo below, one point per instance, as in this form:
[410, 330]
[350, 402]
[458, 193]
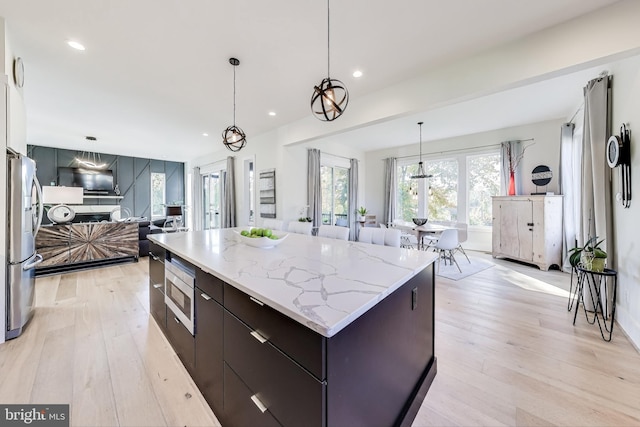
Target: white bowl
[261, 242]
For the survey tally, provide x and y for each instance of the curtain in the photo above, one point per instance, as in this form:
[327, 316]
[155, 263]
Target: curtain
[353, 198]
[229, 194]
[570, 184]
[197, 199]
[510, 155]
[314, 189]
[390, 189]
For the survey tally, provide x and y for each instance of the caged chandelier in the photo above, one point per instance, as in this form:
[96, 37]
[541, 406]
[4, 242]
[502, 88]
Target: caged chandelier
[330, 97]
[421, 173]
[233, 137]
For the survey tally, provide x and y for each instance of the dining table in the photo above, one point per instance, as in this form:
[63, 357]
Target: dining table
[421, 231]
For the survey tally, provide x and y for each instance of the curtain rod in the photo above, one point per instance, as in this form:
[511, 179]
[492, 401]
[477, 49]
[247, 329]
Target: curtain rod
[465, 149]
[336, 155]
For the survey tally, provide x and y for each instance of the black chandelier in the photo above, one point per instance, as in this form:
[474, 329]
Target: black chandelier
[330, 97]
[233, 137]
[421, 173]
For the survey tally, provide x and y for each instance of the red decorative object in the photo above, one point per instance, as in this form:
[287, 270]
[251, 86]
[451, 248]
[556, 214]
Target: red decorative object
[512, 184]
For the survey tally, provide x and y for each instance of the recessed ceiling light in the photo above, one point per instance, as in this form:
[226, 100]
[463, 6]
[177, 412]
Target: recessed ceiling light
[75, 45]
[272, 113]
[205, 134]
[357, 73]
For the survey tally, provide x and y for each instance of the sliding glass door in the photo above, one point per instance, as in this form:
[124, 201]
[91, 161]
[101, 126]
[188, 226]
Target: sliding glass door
[212, 199]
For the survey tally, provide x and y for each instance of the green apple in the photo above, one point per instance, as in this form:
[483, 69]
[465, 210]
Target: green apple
[244, 233]
[267, 232]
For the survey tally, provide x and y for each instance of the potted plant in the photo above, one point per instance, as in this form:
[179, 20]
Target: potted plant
[591, 256]
[362, 211]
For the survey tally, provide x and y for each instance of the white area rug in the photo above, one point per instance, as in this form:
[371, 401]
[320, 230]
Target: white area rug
[451, 271]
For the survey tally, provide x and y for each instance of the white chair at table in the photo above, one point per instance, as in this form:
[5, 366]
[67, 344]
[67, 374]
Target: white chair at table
[462, 237]
[446, 246]
[430, 240]
[300, 227]
[333, 232]
[273, 224]
[380, 236]
[392, 237]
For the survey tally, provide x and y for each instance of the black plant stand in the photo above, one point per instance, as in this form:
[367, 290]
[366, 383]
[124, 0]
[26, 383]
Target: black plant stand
[595, 282]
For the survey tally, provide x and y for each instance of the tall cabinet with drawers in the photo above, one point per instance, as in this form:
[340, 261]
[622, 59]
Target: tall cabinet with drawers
[528, 229]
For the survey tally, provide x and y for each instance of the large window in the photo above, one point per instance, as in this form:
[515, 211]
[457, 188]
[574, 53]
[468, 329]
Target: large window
[335, 195]
[483, 173]
[158, 193]
[443, 190]
[410, 194]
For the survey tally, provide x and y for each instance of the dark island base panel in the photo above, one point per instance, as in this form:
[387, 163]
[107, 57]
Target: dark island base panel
[65, 268]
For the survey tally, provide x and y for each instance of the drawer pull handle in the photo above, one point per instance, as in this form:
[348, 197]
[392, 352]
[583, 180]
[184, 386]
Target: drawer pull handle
[155, 258]
[259, 404]
[157, 285]
[256, 301]
[176, 319]
[205, 296]
[259, 337]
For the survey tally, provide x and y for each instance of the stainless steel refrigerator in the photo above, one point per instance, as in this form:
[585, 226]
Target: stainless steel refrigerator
[24, 216]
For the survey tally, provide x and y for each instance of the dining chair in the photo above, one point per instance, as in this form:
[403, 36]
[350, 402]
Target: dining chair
[371, 235]
[273, 224]
[300, 227]
[446, 246]
[333, 232]
[462, 237]
[392, 237]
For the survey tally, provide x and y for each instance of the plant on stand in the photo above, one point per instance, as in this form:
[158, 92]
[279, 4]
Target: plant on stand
[590, 256]
[362, 211]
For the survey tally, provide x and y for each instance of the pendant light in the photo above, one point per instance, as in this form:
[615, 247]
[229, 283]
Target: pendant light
[330, 97]
[90, 159]
[420, 173]
[233, 137]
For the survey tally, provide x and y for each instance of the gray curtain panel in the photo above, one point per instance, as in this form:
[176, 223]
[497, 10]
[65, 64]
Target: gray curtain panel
[353, 198]
[314, 189]
[570, 184]
[229, 189]
[390, 188]
[197, 199]
[596, 174]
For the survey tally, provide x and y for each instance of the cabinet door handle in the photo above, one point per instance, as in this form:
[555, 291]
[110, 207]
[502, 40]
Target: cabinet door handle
[530, 224]
[259, 337]
[259, 404]
[155, 258]
[157, 285]
[256, 301]
[205, 296]
[176, 319]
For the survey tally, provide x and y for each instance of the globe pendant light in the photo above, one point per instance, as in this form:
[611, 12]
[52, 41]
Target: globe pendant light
[420, 173]
[233, 137]
[330, 97]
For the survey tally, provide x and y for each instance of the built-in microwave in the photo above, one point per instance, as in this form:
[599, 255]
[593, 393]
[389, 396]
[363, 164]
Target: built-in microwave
[179, 292]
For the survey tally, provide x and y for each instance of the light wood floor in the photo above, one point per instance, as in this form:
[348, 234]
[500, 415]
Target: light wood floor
[507, 355]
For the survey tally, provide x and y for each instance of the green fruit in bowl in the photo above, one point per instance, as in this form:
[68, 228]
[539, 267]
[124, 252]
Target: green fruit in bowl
[273, 237]
[244, 233]
[267, 232]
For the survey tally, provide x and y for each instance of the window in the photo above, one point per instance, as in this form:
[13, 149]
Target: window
[157, 195]
[335, 195]
[435, 198]
[443, 190]
[483, 173]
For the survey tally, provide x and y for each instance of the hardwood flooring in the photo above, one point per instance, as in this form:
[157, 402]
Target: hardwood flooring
[507, 355]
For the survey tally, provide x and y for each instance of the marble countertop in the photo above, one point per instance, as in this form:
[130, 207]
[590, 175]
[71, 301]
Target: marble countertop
[322, 283]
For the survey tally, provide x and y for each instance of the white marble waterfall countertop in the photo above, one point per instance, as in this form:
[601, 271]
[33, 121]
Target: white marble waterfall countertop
[322, 283]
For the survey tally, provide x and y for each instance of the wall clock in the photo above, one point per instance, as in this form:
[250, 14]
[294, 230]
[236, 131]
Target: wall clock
[18, 72]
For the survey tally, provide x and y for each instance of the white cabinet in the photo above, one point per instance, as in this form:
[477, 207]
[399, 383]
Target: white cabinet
[529, 229]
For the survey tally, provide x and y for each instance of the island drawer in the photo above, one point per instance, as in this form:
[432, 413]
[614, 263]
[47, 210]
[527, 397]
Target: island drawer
[239, 407]
[156, 263]
[210, 284]
[182, 341]
[157, 307]
[302, 344]
[291, 394]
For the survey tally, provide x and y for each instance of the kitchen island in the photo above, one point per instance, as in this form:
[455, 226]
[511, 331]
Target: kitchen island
[314, 332]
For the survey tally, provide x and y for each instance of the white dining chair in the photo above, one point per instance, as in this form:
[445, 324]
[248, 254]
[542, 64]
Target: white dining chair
[462, 237]
[273, 224]
[300, 227]
[392, 237]
[333, 232]
[446, 246]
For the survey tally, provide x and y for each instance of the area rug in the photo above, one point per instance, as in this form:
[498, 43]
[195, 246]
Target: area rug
[468, 269]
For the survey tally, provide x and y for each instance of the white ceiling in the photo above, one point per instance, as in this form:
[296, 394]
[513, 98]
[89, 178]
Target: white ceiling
[155, 73]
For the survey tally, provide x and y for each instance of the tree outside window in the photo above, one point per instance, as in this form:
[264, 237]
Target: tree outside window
[157, 195]
[443, 190]
[335, 194]
[483, 183]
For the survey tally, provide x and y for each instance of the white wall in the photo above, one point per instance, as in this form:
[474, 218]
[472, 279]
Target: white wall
[626, 109]
[544, 150]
